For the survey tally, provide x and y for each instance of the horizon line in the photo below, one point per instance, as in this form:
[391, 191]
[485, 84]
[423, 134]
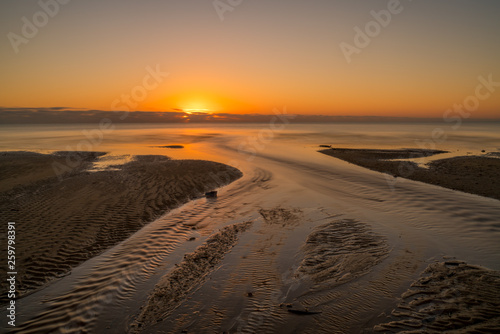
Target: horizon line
[58, 115]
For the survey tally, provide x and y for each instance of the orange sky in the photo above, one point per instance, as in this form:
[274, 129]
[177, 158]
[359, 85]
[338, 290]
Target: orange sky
[262, 56]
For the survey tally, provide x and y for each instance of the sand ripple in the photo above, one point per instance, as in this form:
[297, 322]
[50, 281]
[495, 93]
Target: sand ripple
[111, 280]
[340, 251]
[450, 296]
[174, 287]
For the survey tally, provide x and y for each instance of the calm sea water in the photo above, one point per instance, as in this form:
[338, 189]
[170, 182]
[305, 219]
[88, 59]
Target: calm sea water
[123, 139]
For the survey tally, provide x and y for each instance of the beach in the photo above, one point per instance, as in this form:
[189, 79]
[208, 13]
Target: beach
[64, 219]
[296, 240]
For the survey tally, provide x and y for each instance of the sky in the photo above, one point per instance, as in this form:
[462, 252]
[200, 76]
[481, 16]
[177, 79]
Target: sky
[404, 58]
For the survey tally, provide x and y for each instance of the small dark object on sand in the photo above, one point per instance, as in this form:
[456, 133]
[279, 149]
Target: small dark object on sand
[249, 294]
[328, 146]
[303, 312]
[211, 194]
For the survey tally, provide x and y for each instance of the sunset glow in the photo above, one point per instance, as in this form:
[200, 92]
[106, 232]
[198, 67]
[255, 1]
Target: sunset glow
[256, 57]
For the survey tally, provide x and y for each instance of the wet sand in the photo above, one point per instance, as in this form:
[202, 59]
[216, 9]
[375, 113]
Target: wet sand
[63, 220]
[340, 251]
[334, 253]
[478, 175]
[339, 273]
[450, 296]
[173, 288]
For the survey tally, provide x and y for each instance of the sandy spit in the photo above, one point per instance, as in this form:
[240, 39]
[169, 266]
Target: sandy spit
[173, 288]
[61, 222]
[478, 175]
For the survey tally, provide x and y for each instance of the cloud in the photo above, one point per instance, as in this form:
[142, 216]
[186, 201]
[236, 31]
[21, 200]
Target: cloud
[61, 115]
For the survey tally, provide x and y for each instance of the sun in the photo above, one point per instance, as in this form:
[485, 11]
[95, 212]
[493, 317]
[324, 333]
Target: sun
[195, 110]
[195, 106]
[196, 102]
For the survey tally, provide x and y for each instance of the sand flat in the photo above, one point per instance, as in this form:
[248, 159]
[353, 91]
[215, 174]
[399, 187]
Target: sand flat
[472, 174]
[450, 296]
[62, 222]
